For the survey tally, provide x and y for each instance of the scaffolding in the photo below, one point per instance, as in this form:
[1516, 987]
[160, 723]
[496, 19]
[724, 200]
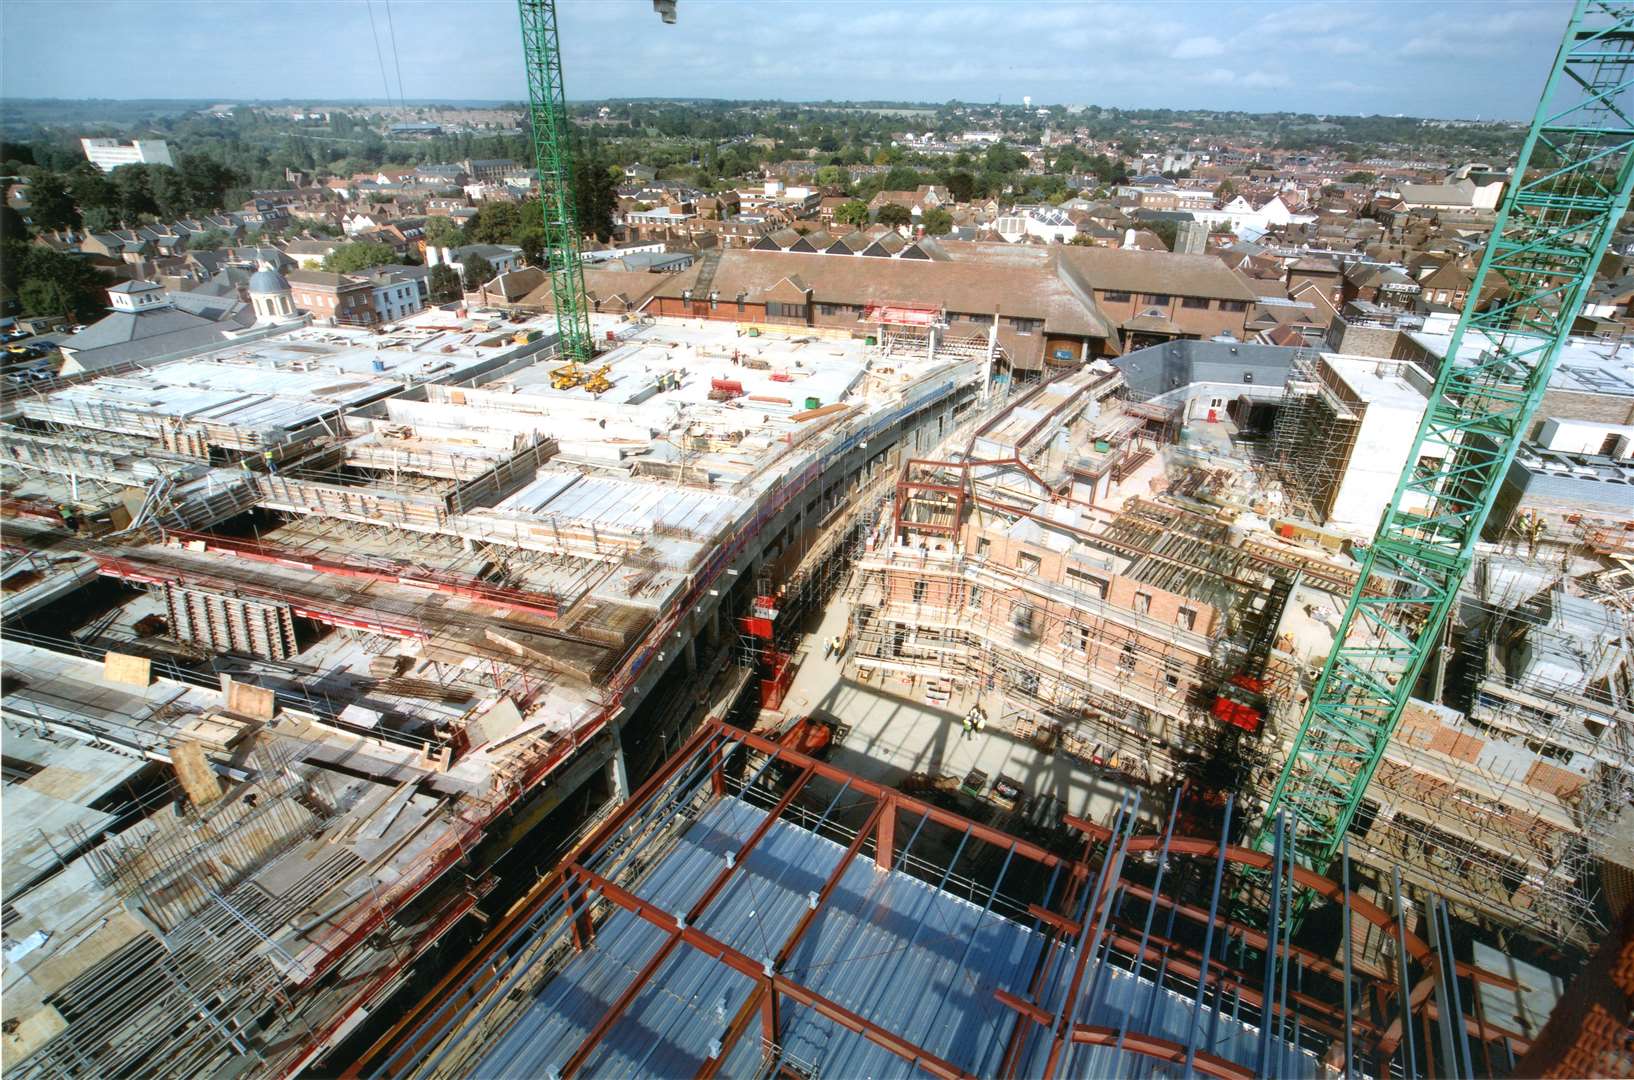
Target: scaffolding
[1311, 441]
[1111, 684]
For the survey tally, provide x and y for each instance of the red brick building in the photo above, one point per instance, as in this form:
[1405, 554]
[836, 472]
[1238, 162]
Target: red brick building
[336, 298]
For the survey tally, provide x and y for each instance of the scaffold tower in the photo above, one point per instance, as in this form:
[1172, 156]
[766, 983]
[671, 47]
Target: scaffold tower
[553, 158]
[1570, 188]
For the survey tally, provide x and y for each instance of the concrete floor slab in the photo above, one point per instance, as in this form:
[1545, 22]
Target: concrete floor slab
[891, 735]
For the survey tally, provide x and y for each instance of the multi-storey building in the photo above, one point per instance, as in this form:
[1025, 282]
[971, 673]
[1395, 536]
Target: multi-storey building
[334, 298]
[110, 154]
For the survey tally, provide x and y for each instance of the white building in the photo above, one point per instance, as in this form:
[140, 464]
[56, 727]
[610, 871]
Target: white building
[109, 154]
[1047, 223]
[1459, 193]
[502, 257]
[395, 296]
[1242, 217]
[1386, 399]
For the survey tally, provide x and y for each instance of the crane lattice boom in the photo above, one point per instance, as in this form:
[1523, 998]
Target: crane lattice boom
[1570, 188]
[553, 158]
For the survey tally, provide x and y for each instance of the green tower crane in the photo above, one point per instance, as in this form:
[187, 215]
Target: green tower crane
[1569, 189]
[553, 158]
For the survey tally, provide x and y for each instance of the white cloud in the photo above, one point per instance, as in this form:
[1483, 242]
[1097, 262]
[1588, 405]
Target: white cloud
[1199, 48]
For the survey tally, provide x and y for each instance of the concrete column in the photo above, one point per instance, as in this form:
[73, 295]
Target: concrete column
[689, 655]
[992, 349]
[618, 777]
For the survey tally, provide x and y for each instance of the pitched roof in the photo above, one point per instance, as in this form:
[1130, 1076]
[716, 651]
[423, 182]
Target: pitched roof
[1153, 272]
[516, 284]
[959, 285]
[1312, 264]
[602, 283]
[191, 321]
[321, 279]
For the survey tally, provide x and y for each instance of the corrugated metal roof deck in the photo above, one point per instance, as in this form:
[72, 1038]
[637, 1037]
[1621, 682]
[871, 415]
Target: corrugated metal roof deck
[919, 961]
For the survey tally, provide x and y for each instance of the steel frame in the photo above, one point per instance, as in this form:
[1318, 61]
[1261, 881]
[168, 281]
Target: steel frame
[1084, 898]
[1571, 186]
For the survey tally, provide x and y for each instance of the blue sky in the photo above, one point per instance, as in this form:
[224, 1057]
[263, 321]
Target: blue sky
[1452, 59]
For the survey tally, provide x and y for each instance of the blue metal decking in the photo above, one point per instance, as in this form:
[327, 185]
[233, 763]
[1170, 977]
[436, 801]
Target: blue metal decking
[897, 950]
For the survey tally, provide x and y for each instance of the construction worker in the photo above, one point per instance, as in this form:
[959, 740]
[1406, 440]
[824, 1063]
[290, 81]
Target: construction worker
[969, 723]
[828, 648]
[839, 647]
[70, 519]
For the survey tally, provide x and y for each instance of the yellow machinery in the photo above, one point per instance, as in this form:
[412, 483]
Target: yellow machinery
[567, 376]
[598, 382]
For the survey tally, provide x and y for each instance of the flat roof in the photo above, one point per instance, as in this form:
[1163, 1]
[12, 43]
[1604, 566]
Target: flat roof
[1390, 383]
[278, 385]
[1586, 366]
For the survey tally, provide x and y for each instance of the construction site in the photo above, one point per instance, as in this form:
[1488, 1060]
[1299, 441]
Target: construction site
[510, 695]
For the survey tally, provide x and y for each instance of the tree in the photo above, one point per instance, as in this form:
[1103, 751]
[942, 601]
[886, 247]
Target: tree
[495, 223]
[99, 219]
[902, 178]
[93, 191]
[170, 191]
[135, 192]
[1225, 191]
[444, 284]
[831, 176]
[893, 215]
[12, 228]
[362, 255]
[1359, 177]
[595, 193]
[205, 182]
[208, 240]
[478, 272]
[1164, 229]
[1002, 159]
[961, 185]
[50, 204]
[854, 212]
[52, 283]
[937, 222]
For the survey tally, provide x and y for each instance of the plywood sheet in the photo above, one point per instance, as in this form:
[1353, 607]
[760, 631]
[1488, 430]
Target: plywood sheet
[252, 702]
[194, 773]
[127, 670]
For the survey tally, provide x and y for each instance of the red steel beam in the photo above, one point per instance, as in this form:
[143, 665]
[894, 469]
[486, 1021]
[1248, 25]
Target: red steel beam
[904, 802]
[523, 910]
[764, 996]
[1261, 860]
[643, 977]
[1136, 1043]
[1069, 901]
[743, 965]
[885, 845]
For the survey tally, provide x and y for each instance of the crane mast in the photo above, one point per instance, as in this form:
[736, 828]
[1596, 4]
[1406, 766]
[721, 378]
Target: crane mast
[553, 160]
[1570, 188]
